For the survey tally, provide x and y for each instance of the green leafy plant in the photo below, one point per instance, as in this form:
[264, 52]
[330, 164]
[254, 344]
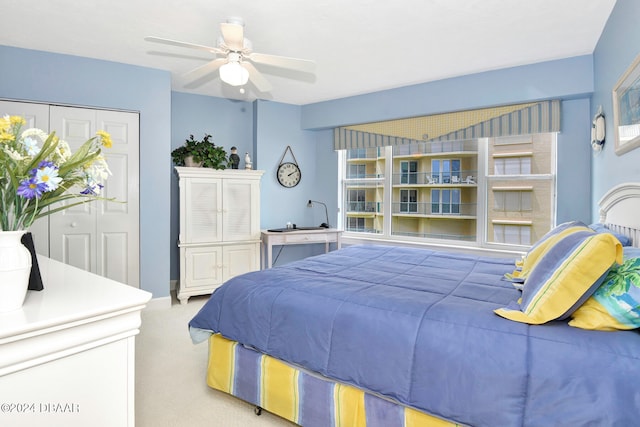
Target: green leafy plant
[205, 152]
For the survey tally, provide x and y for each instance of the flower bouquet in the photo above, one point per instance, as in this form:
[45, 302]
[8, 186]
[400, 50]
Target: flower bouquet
[39, 176]
[38, 170]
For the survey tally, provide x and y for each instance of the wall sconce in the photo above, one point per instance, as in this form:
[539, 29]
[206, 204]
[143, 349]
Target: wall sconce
[326, 212]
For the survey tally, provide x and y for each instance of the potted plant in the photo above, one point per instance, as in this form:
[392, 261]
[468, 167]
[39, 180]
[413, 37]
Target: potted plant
[200, 153]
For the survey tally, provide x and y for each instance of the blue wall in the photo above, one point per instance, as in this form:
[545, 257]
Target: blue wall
[617, 48]
[564, 79]
[278, 126]
[52, 78]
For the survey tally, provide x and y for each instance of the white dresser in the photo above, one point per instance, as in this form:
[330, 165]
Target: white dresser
[219, 227]
[68, 356]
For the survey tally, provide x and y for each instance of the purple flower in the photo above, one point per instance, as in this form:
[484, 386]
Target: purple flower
[46, 164]
[29, 188]
[92, 189]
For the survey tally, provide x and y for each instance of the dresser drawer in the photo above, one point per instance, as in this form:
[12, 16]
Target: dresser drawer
[308, 238]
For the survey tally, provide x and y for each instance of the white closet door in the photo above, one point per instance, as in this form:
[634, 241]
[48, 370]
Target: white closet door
[118, 227]
[37, 116]
[72, 231]
[101, 237]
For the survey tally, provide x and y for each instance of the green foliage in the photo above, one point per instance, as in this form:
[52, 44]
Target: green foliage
[211, 155]
[622, 277]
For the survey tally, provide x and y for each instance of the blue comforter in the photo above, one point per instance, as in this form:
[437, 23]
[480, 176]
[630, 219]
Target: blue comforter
[418, 326]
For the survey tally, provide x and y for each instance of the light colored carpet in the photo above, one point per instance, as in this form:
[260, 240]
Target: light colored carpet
[170, 377]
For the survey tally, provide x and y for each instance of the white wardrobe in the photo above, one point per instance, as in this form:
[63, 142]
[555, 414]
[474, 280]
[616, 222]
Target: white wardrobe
[219, 227]
[100, 237]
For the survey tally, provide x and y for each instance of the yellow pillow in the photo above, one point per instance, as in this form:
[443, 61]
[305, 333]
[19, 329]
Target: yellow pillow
[564, 277]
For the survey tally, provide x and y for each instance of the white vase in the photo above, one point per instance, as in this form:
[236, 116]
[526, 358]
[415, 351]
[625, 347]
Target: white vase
[15, 267]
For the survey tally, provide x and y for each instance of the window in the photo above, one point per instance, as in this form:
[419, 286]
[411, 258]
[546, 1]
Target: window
[355, 224]
[512, 200]
[488, 192]
[512, 166]
[408, 172]
[355, 200]
[357, 171]
[512, 234]
[358, 153]
[408, 201]
[445, 171]
[511, 140]
[445, 201]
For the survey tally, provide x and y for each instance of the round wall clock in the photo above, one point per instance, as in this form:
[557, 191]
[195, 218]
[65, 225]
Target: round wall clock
[288, 173]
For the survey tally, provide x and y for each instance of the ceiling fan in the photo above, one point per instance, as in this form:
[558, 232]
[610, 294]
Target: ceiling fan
[235, 63]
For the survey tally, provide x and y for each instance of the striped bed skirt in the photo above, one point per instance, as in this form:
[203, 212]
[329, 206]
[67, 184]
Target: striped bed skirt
[298, 396]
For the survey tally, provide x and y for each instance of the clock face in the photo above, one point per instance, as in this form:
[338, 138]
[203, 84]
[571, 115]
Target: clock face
[288, 175]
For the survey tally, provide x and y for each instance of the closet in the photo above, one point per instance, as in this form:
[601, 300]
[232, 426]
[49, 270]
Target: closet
[101, 237]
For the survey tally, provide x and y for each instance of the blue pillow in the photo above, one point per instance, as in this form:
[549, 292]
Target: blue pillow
[599, 227]
[631, 252]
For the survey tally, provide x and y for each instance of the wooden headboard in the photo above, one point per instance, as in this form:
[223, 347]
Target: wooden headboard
[620, 210]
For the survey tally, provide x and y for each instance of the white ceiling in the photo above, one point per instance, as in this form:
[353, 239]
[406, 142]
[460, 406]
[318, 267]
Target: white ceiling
[359, 46]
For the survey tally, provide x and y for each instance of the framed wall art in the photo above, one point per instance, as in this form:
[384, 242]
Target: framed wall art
[626, 109]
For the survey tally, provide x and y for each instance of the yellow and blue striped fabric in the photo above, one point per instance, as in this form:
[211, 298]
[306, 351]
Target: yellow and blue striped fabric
[564, 277]
[301, 397]
[543, 245]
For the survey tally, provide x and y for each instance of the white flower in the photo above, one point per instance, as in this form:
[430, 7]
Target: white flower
[32, 139]
[62, 152]
[31, 146]
[49, 176]
[15, 156]
[39, 134]
[99, 170]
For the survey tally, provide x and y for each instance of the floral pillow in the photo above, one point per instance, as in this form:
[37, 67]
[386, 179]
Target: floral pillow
[616, 303]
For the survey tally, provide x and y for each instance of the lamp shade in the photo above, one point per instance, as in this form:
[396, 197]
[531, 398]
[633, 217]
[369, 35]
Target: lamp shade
[234, 74]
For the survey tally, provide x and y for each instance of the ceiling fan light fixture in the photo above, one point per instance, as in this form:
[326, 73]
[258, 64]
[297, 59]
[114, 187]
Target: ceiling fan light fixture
[234, 74]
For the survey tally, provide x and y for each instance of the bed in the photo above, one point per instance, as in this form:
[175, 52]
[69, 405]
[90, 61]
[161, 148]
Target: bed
[374, 335]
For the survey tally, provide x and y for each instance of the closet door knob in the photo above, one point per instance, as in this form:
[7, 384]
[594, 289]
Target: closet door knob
[74, 224]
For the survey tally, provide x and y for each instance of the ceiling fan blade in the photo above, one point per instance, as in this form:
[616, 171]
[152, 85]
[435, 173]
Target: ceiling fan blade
[258, 80]
[233, 35]
[201, 71]
[303, 65]
[184, 44]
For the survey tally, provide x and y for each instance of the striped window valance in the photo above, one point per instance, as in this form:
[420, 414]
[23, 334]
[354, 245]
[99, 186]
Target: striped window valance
[521, 119]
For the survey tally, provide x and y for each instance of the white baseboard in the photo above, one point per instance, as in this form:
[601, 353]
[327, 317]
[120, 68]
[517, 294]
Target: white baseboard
[159, 303]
